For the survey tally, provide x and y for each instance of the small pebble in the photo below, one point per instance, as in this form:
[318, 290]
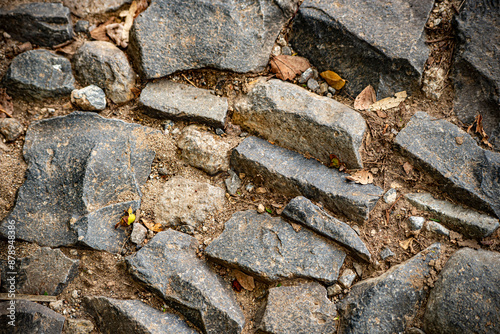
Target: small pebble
[276, 50]
[261, 208]
[219, 131]
[313, 84]
[359, 269]
[243, 134]
[73, 252]
[332, 90]
[287, 51]
[11, 128]
[329, 95]
[151, 234]
[138, 234]
[75, 294]
[386, 253]
[323, 88]
[163, 171]
[435, 227]
[82, 26]
[390, 196]
[416, 223]
[304, 77]
[233, 183]
[51, 110]
[57, 305]
[348, 276]
[333, 290]
[249, 187]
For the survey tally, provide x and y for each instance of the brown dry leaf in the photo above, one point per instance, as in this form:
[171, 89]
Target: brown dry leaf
[389, 102]
[70, 49]
[406, 244]
[333, 79]
[288, 67]
[296, 227]
[480, 130]
[153, 227]
[365, 99]
[261, 190]
[408, 168]
[246, 281]
[381, 114]
[469, 243]
[362, 176]
[5, 103]
[99, 33]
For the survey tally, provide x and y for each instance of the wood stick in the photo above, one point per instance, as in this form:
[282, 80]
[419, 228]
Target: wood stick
[5, 112]
[33, 298]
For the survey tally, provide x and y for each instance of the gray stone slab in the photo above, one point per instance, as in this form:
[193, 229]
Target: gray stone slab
[29, 317]
[269, 248]
[297, 119]
[292, 174]
[168, 264]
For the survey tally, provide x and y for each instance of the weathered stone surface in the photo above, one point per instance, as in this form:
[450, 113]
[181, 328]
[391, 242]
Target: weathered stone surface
[11, 128]
[466, 296]
[79, 182]
[365, 42]
[45, 24]
[303, 211]
[291, 174]
[133, 316]
[469, 174]
[104, 65]
[85, 7]
[78, 326]
[471, 224]
[39, 74]
[169, 265]
[385, 304]
[298, 309]
[302, 121]
[269, 248]
[203, 150]
[168, 99]
[30, 317]
[232, 35]
[89, 98]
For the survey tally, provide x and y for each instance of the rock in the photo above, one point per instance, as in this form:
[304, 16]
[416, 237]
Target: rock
[466, 295]
[390, 196]
[299, 120]
[359, 269]
[168, 99]
[86, 7]
[468, 173]
[304, 77]
[348, 276]
[78, 326]
[292, 175]
[22, 316]
[82, 26]
[46, 272]
[334, 290]
[287, 51]
[89, 177]
[298, 309]
[204, 150]
[323, 88]
[132, 316]
[11, 128]
[170, 266]
[57, 305]
[303, 211]
[313, 85]
[470, 223]
[386, 253]
[186, 202]
[386, 303]
[364, 42]
[269, 248]
[44, 24]
[89, 98]
[261, 208]
[235, 35]
[416, 223]
[233, 183]
[39, 74]
[437, 228]
[106, 66]
[138, 234]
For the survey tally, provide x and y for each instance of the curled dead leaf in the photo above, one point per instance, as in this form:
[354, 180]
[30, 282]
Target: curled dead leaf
[361, 176]
[365, 99]
[408, 168]
[333, 79]
[389, 102]
[406, 243]
[246, 281]
[153, 227]
[288, 67]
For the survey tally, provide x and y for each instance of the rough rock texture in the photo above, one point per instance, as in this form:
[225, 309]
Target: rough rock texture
[46, 271]
[291, 174]
[85, 7]
[30, 317]
[89, 98]
[79, 183]
[235, 35]
[470, 223]
[78, 326]
[365, 42]
[303, 211]
[168, 99]
[298, 309]
[466, 296]
[386, 304]
[11, 128]
[469, 174]
[133, 316]
[168, 264]
[44, 24]
[268, 247]
[302, 121]
[39, 74]
[104, 65]
[348, 276]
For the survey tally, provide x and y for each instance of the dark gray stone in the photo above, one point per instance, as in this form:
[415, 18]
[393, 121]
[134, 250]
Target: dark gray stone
[466, 296]
[89, 98]
[29, 317]
[168, 264]
[82, 26]
[304, 77]
[133, 316]
[385, 304]
[365, 42]
[291, 174]
[386, 253]
[234, 35]
[39, 74]
[303, 211]
[138, 234]
[83, 172]
[466, 172]
[44, 24]
[268, 247]
[11, 128]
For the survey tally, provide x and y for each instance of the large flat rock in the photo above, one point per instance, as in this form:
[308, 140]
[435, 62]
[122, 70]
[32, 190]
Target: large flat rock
[302, 121]
[29, 317]
[292, 174]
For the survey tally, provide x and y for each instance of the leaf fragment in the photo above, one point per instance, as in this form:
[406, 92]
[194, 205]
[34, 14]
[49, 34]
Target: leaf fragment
[365, 99]
[99, 33]
[361, 176]
[288, 67]
[333, 79]
[153, 227]
[246, 281]
[408, 168]
[389, 102]
[406, 244]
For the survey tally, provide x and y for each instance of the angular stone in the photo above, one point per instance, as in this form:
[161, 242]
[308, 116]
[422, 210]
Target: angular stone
[468, 173]
[30, 317]
[233, 183]
[168, 99]
[302, 121]
[268, 247]
[168, 264]
[11, 128]
[386, 253]
[106, 66]
[466, 295]
[291, 174]
[234, 35]
[385, 304]
[133, 316]
[44, 24]
[471, 224]
[416, 223]
[390, 196]
[298, 309]
[86, 7]
[138, 233]
[303, 211]
[83, 172]
[89, 98]
[39, 74]
[437, 228]
[365, 42]
[348, 276]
